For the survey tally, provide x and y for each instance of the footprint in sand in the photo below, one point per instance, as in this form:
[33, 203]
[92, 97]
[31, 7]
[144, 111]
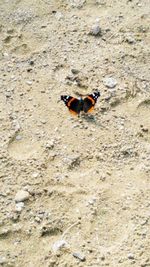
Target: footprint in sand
[24, 149]
[143, 111]
[144, 104]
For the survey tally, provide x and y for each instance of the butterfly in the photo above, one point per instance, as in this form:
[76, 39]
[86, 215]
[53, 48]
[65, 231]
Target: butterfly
[75, 105]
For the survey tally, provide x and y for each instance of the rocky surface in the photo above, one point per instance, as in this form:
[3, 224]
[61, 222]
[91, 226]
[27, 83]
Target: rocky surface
[74, 191]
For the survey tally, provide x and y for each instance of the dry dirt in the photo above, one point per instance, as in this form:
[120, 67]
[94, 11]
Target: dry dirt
[87, 178]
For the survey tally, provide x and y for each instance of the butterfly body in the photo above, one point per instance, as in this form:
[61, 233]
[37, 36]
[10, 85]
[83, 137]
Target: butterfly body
[75, 105]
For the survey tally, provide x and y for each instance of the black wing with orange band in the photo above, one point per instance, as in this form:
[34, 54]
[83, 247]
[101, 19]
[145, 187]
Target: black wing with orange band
[72, 103]
[90, 101]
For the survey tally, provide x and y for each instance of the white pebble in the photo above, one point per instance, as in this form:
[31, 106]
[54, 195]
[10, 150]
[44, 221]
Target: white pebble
[21, 196]
[110, 82]
[58, 245]
[19, 206]
[29, 82]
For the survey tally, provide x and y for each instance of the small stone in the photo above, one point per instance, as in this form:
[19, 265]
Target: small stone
[58, 15]
[43, 121]
[110, 82]
[6, 54]
[50, 144]
[74, 71]
[144, 222]
[130, 256]
[37, 219]
[43, 91]
[19, 206]
[18, 137]
[21, 196]
[130, 40]
[72, 161]
[29, 69]
[8, 94]
[145, 130]
[16, 125]
[43, 26]
[58, 245]
[4, 233]
[126, 150]
[95, 30]
[2, 260]
[29, 82]
[92, 201]
[47, 230]
[79, 256]
[77, 3]
[75, 126]
[31, 62]
[35, 174]
[10, 30]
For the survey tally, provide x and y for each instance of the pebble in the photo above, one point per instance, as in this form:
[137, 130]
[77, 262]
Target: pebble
[145, 130]
[35, 174]
[58, 245]
[59, 15]
[5, 54]
[43, 121]
[31, 62]
[74, 71]
[130, 40]
[74, 126]
[8, 94]
[72, 161]
[4, 232]
[110, 82]
[37, 219]
[19, 206]
[18, 137]
[126, 150]
[95, 30]
[144, 222]
[21, 196]
[130, 256]
[2, 260]
[50, 144]
[92, 201]
[79, 256]
[29, 82]
[77, 3]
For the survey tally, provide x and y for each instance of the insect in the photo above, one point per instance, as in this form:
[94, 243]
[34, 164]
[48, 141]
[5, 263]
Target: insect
[75, 105]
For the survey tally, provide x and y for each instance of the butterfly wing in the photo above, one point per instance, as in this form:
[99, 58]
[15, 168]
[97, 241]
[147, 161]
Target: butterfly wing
[72, 103]
[90, 101]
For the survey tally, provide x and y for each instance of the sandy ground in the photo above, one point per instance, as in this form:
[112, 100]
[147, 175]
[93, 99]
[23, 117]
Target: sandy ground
[85, 192]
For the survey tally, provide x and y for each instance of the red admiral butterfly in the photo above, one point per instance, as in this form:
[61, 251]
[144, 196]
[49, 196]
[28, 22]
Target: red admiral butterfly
[75, 105]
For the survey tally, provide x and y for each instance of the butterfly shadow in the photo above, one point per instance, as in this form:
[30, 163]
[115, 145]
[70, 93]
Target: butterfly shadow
[90, 118]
